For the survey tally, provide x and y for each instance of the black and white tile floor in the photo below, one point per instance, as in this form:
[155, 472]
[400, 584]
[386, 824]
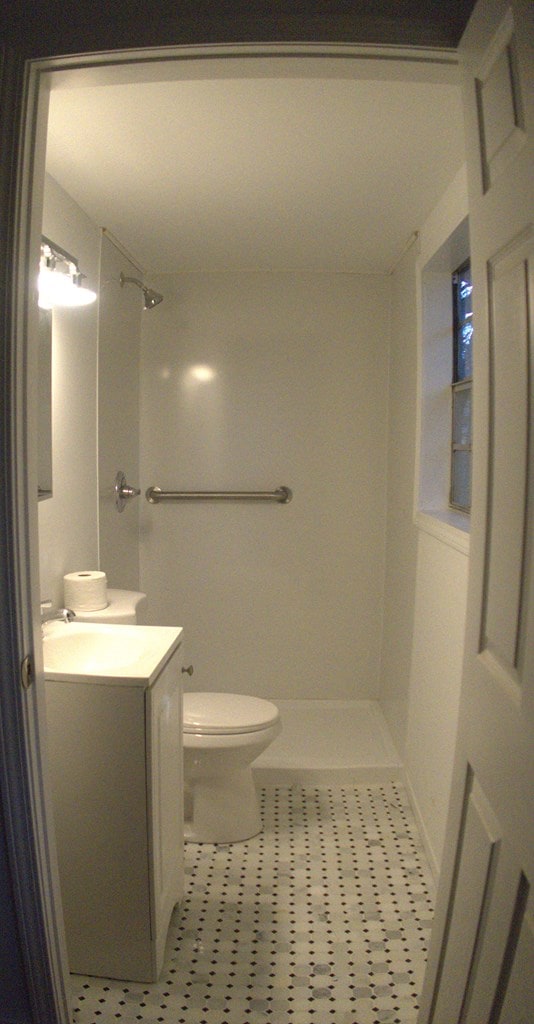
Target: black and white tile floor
[324, 917]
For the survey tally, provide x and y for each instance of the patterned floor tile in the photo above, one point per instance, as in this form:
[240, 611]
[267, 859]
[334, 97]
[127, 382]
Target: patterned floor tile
[324, 917]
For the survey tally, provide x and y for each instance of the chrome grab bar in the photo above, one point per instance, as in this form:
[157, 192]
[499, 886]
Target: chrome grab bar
[282, 495]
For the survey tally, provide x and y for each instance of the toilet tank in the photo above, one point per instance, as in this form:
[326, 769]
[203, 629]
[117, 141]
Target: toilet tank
[124, 606]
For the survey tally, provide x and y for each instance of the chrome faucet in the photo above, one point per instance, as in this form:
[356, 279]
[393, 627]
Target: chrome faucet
[49, 614]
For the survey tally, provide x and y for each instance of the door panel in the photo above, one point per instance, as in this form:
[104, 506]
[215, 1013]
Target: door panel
[500, 103]
[518, 1004]
[480, 968]
[502, 924]
[510, 298]
[477, 851]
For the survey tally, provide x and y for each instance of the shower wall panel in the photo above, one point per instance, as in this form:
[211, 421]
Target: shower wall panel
[251, 381]
[119, 334]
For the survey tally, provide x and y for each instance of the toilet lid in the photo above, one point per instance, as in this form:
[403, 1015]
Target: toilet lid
[213, 713]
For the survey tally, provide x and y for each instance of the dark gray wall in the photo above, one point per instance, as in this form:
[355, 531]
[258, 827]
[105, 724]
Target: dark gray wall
[14, 1004]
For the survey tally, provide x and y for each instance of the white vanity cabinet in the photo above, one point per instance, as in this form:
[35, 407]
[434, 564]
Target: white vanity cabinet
[115, 755]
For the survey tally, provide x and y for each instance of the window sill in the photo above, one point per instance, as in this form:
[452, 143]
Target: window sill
[448, 526]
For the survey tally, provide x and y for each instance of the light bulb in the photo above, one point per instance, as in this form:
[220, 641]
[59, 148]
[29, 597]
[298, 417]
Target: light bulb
[60, 289]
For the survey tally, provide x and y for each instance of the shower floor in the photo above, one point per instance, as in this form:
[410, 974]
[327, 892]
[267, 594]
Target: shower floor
[323, 917]
[324, 741]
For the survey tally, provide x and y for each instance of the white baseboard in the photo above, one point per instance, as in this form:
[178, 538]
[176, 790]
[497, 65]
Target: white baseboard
[431, 856]
[358, 776]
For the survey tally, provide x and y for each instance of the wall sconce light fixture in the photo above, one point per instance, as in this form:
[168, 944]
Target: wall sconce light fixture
[60, 278]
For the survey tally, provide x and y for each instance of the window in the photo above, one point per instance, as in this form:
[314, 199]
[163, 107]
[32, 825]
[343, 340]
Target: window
[462, 386]
[442, 508]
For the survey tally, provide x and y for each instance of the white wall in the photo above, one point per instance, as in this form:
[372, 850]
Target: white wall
[279, 601]
[68, 522]
[95, 367]
[434, 688]
[427, 563]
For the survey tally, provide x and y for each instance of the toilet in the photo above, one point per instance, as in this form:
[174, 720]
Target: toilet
[126, 607]
[223, 733]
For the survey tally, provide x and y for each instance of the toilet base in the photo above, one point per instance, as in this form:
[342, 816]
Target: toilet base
[222, 809]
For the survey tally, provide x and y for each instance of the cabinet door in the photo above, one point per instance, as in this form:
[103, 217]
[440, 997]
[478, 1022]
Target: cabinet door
[164, 718]
[96, 741]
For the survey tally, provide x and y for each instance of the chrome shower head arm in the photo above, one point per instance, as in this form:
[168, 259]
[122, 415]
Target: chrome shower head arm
[130, 280]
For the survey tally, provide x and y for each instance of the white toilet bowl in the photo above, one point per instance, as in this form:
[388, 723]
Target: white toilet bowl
[223, 734]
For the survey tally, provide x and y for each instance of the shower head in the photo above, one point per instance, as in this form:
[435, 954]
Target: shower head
[151, 298]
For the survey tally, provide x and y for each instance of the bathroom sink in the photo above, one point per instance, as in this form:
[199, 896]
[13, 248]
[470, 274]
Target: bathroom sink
[98, 652]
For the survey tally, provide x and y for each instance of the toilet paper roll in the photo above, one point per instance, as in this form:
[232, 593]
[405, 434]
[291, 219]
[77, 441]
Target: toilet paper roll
[86, 590]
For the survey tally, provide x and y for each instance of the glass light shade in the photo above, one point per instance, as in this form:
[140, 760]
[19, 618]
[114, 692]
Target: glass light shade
[57, 288]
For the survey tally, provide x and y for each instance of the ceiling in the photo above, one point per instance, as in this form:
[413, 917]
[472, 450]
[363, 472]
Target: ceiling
[275, 167]
[98, 25]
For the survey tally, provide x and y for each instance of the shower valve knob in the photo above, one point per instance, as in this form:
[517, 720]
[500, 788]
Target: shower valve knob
[123, 491]
[189, 670]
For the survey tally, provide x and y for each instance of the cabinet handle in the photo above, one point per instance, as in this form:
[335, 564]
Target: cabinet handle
[189, 670]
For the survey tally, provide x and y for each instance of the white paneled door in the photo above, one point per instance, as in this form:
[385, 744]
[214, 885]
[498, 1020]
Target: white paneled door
[481, 964]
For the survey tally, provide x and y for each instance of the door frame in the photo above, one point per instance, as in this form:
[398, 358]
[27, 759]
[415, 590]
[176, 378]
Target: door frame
[25, 791]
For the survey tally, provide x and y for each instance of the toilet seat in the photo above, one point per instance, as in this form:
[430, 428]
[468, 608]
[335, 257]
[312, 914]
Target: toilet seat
[215, 714]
